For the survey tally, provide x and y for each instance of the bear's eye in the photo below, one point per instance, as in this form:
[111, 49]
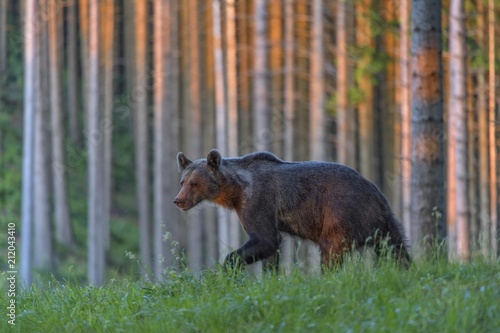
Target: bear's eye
[194, 184]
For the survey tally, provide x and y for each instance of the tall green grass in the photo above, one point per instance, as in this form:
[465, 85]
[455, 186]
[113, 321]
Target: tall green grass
[429, 297]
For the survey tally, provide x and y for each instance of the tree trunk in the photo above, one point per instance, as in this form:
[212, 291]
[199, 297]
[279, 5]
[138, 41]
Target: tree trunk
[405, 116]
[232, 106]
[345, 116]
[4, 5]
[364, 40]
[492, 123]
[31, 56]
[107, 124]
[142, 134]
[221, 121]
[195, 224]
[317, 118]
[167, 231]
[262, 134]
[72, 80]
[208, 130]
[458, 203]
[64, 230]
[42, 230]
[483, 129]
[427, 185]
[95, 146]
[288, 243]
[84, 46]
[276, 70]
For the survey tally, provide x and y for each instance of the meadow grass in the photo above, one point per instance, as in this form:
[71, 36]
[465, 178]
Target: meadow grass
[432, 296]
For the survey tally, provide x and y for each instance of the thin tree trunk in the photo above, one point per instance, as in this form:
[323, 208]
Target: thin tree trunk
[64, 230]
[211, 234]
[492, 123]
[221, 121]
[483, 129]
[96, 249]
[345, 116]
[84, 46]
[261, 113]
[405, 116]
[364, 40]
[276, 71]
[31, 55]
[427, 200]
[142, 134]
[471, 160]
[458, 203]
[107, 124]
[317, 118]
[195, 223]
[4, 5]
[232, 105]
[288, 243]
[42, 229]
[72, 80]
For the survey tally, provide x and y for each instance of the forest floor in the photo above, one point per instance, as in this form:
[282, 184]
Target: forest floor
[429, 297]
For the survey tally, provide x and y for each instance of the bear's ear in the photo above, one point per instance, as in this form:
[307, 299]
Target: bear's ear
[213, 159]
[182, 162]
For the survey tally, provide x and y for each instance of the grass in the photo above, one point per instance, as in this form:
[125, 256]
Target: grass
[429, 297]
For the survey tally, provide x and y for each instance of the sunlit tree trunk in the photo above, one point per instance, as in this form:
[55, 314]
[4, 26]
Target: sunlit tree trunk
[72, 79]
[31, 56]
[167, 231]
[288, 243]
[95, 146]
[276, 72]
[210, 216]
[108, 36]
[427, 185]
[405, 116]
[492, 124]
[141, 123]
[42, 228]
[345, 116]
[195, 223]
[458, 203]
[483, 130]
[262, 134]
[83, 25]
[365, 42]
[64, 231]
[317, 118]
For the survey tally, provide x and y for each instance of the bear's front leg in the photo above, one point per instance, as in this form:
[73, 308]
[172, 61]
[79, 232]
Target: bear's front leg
[252, 251]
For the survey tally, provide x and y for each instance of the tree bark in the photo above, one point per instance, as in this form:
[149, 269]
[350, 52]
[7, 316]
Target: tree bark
[95, 146]
[427, 125]
[364, 40]
[142, 134]
[492, 136]
[72, 80]
[64, 230]
[42, 230]
[31, 56]
[405, 116]
[262, 133]
[458, 203]
[345, 116]
[107, 103]
[288, 243]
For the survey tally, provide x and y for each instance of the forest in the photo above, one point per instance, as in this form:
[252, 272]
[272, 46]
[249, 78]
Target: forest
[98, 97]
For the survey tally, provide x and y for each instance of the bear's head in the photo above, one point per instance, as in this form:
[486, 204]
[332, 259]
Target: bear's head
[200, 180]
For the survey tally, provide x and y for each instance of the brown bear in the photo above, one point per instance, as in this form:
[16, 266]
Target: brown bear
[328, 203]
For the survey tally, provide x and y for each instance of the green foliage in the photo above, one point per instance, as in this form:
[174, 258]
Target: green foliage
[429, 297]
